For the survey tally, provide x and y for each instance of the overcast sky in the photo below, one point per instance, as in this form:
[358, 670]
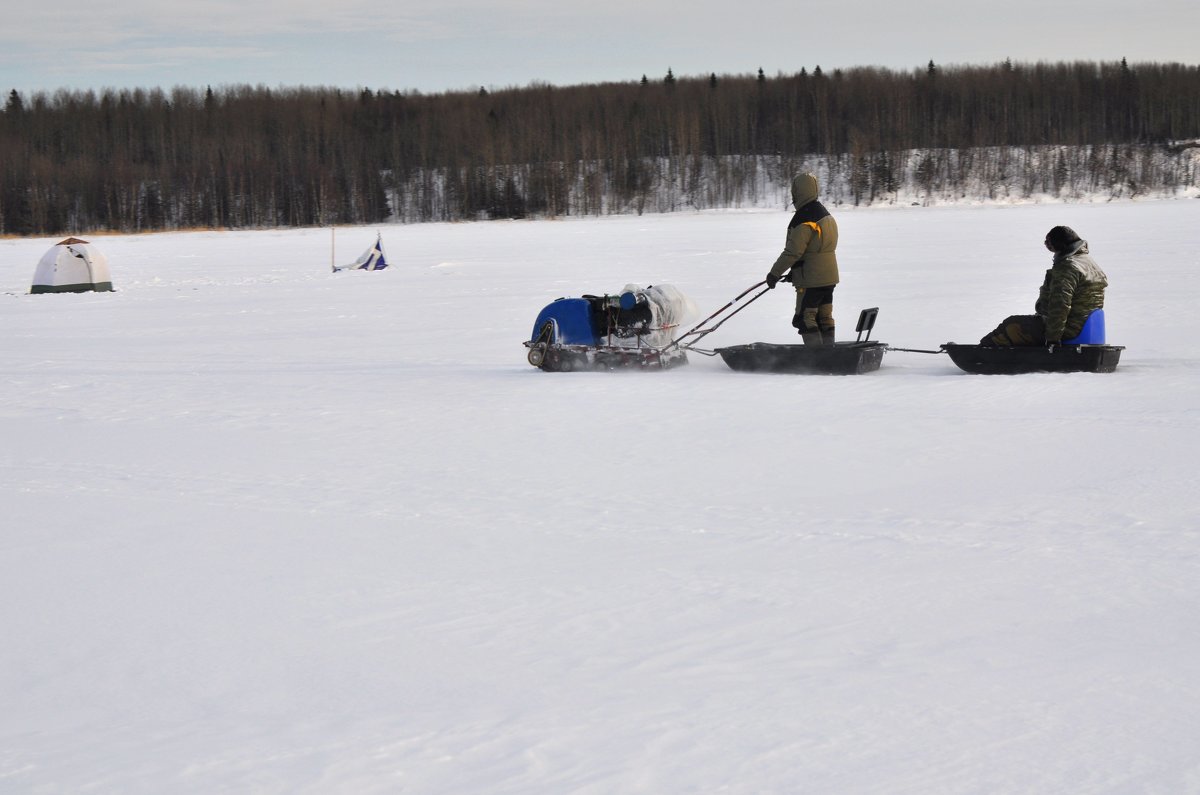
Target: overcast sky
[440, 45]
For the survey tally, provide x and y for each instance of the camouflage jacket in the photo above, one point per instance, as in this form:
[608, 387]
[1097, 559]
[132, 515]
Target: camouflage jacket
[1073, 287]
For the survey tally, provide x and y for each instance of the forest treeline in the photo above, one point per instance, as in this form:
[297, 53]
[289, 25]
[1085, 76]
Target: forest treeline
[242, 156]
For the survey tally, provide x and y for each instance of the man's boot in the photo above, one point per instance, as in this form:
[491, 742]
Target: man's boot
[825, 322]
[811, 337]
[806, 323]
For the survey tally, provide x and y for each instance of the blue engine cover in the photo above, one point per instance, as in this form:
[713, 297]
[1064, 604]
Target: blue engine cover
[573, 321]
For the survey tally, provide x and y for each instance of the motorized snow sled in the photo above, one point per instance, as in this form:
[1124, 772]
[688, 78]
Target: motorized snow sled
[842, 358]
[629, 330]
[1086, 353]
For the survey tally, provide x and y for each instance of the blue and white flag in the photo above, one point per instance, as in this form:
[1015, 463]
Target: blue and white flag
[373, 259]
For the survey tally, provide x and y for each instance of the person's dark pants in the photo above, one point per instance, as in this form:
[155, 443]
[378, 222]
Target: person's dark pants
[814, 315]
[1017, 330]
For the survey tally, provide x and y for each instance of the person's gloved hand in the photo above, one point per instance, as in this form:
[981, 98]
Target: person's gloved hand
[772, 280]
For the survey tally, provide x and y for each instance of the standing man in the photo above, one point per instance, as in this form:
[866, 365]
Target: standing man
[812, 238]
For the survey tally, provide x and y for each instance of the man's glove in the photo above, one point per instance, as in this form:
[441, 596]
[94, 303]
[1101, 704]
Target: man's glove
[772, 280]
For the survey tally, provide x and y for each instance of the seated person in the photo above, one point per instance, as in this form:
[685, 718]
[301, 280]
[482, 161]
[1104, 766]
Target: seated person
[1073, 288]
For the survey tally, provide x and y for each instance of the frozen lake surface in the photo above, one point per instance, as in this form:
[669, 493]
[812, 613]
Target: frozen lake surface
[272, 529]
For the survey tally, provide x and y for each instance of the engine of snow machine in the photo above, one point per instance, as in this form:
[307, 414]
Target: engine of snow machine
[631, 329]
[626, 315]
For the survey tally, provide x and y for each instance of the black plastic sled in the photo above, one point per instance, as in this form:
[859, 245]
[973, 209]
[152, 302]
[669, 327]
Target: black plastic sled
[986, 360]
[843, 358]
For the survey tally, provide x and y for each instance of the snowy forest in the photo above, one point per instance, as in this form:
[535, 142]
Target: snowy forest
[253, 157]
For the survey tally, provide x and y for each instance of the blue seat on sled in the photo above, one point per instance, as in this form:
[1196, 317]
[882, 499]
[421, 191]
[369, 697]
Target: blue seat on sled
[1092, 332]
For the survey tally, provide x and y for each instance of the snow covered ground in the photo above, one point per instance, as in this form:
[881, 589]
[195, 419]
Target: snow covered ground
[272, 529]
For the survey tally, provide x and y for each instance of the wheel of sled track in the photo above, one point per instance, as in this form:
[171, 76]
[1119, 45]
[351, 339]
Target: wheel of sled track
[541, 344]
[600, 363]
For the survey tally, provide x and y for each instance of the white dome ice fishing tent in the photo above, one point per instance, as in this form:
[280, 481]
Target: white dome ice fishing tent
[72, 266]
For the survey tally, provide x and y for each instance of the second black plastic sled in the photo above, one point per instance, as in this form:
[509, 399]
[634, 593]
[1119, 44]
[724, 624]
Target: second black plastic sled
[843, 358]
[987, 360]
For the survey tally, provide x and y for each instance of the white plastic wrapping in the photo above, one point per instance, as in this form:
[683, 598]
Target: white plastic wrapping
[669, 309]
